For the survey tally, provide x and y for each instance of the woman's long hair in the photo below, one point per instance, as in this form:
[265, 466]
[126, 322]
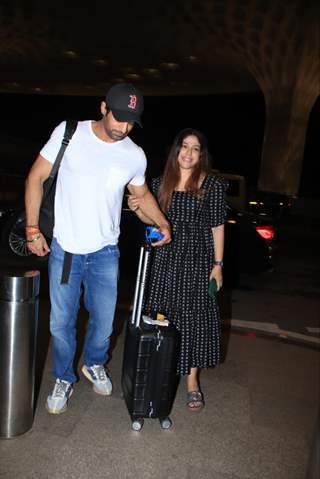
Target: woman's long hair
[171, 174]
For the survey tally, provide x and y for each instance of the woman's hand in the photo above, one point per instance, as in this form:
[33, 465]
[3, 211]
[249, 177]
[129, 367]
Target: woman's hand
[216, 273]
[166, 231]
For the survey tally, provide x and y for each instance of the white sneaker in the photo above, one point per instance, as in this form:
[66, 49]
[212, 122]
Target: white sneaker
[58, 401]
[98, 376]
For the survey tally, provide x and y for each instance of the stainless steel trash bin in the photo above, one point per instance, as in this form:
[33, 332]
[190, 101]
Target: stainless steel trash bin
[19, 300]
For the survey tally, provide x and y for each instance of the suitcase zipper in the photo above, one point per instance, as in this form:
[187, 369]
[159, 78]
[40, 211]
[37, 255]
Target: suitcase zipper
[159, 339]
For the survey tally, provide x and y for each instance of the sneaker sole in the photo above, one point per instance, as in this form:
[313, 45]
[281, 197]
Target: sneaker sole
[59, 411]
[97, 391]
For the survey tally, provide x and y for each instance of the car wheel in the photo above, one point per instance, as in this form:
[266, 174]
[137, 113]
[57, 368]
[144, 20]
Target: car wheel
[14, 235]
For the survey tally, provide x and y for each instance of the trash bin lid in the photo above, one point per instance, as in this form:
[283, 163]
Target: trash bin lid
[19, 285]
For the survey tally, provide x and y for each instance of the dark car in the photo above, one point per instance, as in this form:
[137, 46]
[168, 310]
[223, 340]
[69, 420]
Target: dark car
[249, 242]
[249, 237]
[249, 245]
[11, 202]
[270, 204]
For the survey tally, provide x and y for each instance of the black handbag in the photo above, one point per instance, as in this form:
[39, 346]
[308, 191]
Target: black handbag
[46, 215]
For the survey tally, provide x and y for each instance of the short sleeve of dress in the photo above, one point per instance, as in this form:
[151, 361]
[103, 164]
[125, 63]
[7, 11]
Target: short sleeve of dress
[154, 186]
[217, 203]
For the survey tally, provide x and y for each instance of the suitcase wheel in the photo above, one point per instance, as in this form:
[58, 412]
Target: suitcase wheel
[165, 423]
[137, 424]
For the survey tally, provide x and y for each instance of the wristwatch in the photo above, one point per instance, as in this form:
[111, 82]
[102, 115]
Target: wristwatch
[218, 263]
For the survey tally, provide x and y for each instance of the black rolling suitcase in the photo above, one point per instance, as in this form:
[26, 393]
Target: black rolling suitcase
[149, 378]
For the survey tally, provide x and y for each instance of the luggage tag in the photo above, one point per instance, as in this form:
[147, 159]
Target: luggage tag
[159, 321]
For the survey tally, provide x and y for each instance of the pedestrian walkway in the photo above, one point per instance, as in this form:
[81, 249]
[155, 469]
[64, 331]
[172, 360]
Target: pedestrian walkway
[261, 408]
[262, 403]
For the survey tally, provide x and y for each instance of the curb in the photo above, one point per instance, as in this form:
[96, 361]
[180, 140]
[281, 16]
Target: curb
[273, 330]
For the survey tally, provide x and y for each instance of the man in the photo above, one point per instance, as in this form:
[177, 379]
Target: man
[100, 161]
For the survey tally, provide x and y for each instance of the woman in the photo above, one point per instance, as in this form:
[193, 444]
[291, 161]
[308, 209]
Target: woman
[193, 200]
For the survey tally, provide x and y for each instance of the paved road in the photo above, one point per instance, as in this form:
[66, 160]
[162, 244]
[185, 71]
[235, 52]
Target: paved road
[287, 299]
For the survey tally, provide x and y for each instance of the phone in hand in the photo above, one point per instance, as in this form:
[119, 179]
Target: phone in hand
[153, 234]
[213, 288]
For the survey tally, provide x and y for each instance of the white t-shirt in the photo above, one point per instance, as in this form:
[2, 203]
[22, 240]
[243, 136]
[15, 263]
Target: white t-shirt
[90, 186]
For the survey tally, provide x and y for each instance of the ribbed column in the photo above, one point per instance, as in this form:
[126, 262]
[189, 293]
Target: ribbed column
[283, 147]
[289, 99]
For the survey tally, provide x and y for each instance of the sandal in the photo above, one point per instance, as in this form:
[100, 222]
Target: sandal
[195, 400]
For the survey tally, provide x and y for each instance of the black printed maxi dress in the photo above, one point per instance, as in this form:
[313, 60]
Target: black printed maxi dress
[178, 285]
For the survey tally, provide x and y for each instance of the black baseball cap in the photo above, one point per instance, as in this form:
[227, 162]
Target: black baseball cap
[125, 102]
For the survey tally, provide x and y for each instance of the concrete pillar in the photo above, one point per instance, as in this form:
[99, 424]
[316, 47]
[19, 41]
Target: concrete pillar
[289, 97]
[287, 114]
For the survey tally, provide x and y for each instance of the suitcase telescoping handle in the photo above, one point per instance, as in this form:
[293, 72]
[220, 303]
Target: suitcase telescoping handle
[145, 252]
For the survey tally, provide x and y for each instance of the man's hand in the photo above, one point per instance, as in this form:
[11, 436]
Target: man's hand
[144, 204]
[37, 244]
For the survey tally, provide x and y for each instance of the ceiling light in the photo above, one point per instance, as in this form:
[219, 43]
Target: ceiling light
[133, 76]
[102, 62]
[170, 65]
[151, 71]
[70, 54]
[192, 59]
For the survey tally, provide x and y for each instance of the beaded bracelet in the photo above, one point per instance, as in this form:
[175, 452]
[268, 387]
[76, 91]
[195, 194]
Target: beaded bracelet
[34, 239]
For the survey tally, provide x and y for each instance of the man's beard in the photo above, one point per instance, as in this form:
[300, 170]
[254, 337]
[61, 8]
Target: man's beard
[116, 135]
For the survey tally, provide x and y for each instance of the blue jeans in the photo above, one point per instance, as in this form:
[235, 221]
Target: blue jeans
[98, 273]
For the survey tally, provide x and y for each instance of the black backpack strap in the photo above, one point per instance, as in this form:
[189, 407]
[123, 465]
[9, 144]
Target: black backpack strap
[71, 126]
